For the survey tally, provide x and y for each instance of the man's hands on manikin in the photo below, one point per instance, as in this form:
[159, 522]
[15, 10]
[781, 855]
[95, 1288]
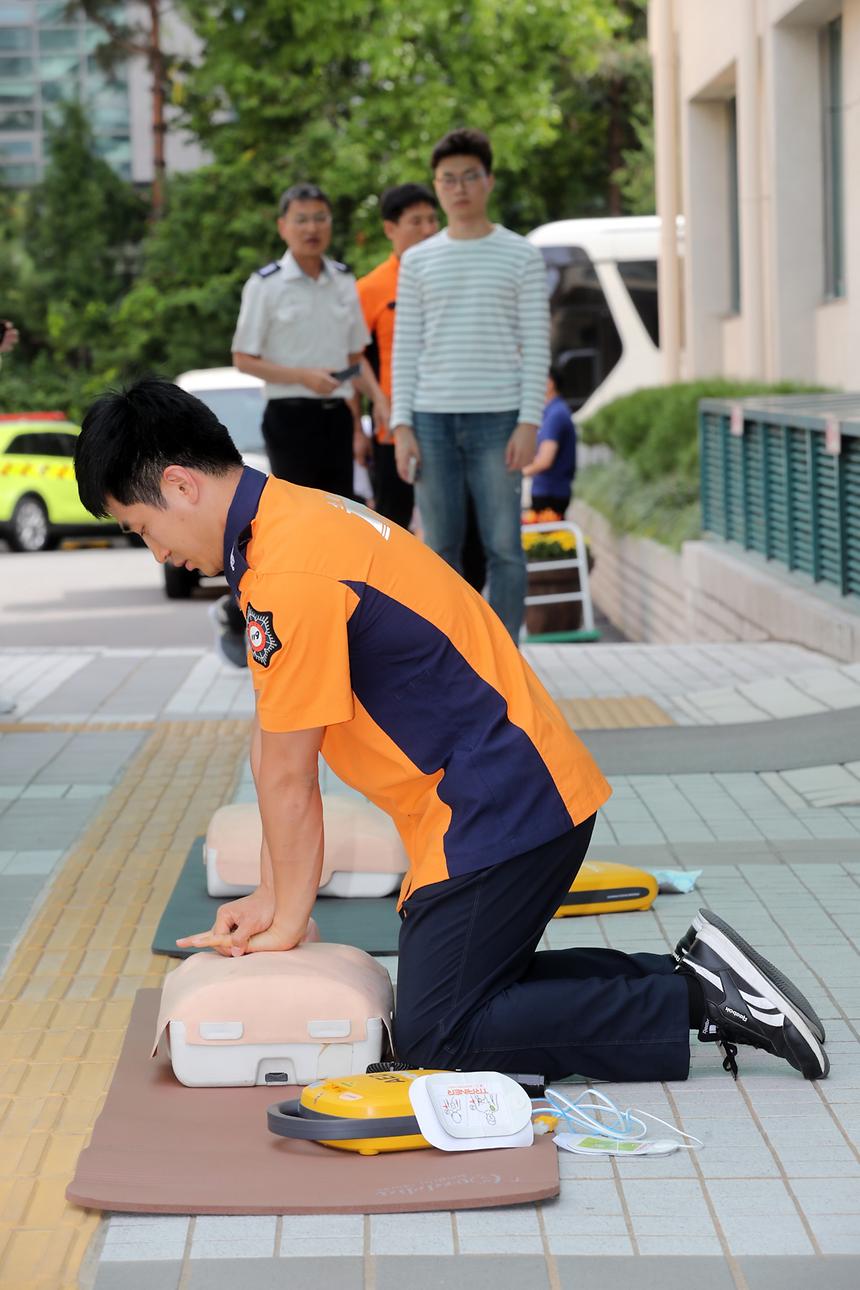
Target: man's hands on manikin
[239, 926]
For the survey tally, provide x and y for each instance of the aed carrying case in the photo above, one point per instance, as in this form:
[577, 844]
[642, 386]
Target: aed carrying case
[363, 853]
[286, 1017]
[368, 1113]
[602, 887]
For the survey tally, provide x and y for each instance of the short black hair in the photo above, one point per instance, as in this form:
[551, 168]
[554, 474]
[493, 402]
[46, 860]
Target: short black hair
[301, 193]
[465, 142]
[395, 202]
[129, 437]
[555, 374]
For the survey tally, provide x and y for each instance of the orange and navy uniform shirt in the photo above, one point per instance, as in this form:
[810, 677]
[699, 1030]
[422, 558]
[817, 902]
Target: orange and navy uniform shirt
[429, 708]
[377, 292]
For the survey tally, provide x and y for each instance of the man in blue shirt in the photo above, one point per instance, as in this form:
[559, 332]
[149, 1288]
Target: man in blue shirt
[554, 464]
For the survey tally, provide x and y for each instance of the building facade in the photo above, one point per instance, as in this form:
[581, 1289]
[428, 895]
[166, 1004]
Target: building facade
[757, 139]
[47, 57]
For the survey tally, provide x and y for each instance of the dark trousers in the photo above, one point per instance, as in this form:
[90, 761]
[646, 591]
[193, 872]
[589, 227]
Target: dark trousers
[392, 497]
[473, 994]
[557, 502]
[309, 442]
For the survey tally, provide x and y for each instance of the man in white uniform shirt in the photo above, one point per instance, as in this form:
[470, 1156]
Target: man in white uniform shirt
[302, 331]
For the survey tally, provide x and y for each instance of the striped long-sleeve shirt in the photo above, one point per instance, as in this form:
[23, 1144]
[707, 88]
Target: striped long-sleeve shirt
[472, 328]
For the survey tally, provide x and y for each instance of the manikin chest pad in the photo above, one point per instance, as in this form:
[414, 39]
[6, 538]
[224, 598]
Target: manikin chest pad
[363, 853]
[405, 1110]
[286, 1017]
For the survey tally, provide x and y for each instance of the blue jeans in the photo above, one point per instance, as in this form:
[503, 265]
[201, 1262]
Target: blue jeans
[460, 449]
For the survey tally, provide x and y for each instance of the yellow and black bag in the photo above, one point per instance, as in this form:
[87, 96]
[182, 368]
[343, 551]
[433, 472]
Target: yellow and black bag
[602, 887]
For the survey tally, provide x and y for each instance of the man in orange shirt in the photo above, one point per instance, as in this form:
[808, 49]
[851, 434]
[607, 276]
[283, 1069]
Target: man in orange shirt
[367, 648]
[408, 217]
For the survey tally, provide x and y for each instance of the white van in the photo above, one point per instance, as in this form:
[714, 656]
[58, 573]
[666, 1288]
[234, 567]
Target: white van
[602, 277]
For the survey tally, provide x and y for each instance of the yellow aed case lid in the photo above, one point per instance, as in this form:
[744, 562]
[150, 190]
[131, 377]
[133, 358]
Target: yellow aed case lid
[353, 1106]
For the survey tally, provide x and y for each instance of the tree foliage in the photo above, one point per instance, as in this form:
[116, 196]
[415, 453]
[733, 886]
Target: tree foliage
[352, 97]
[74, 254]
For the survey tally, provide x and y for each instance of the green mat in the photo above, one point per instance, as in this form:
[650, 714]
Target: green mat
[370, 924]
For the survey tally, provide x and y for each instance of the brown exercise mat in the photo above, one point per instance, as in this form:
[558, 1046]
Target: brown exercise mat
[160, 1148]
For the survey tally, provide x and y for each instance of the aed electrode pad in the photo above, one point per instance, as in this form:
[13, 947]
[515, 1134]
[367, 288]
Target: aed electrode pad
[472, 1111]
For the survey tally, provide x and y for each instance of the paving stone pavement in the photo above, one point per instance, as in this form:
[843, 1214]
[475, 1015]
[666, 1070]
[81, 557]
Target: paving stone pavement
[773, 1200]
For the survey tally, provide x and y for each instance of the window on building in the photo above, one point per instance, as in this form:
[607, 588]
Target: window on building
[15, 38]
[733, 208]
[13, 67]
[16, 147]
[832, 116]
[14, 14]
[15, 175]
[58, 40]
[51, 10]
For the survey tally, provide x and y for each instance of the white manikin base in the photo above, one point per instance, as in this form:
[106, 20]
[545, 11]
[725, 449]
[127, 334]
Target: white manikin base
[342, 883]
[232, 1065]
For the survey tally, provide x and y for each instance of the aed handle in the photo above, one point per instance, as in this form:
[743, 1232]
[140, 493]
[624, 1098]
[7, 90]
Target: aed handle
[284, 1119]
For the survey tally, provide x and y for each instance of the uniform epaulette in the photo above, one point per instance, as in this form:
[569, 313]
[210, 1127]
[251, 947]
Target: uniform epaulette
[342, 268]
[268, 269]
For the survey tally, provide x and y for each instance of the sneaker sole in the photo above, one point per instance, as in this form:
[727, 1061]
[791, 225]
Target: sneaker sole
[773, 974]
[739, 962]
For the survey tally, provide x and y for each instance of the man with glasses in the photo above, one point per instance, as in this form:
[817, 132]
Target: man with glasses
[301, 330]
[471, 352]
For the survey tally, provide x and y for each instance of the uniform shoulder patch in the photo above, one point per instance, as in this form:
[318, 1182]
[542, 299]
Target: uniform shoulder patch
[341, 267]
[268, 269]
[262, 637]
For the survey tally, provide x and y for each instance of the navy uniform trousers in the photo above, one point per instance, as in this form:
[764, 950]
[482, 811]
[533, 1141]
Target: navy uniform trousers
[473, 993]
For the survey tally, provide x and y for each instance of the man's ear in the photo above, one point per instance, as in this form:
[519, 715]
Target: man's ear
[491, 182]
[180, 482]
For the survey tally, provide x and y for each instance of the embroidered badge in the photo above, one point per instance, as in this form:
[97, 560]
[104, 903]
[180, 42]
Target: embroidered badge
[262, 636]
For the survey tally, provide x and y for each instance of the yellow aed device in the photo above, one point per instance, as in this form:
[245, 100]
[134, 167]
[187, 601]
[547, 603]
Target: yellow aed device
[602, 887]
[363, 1113]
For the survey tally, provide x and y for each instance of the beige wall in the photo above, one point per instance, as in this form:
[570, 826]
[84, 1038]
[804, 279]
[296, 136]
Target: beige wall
[765, 54]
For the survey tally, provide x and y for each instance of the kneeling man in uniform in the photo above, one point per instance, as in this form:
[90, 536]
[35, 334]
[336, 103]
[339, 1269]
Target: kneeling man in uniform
[366, 647]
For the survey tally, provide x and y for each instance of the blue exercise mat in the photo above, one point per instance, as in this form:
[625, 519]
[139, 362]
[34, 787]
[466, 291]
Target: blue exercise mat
[369, 923]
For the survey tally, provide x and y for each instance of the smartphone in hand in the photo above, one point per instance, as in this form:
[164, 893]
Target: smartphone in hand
[345, 373]
[412, 470]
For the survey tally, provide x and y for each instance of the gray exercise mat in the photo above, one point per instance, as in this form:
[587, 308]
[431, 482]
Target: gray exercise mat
[787, 743]
[370, 924]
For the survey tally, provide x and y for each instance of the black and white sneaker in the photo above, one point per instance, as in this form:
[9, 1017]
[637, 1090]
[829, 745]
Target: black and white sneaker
[780, 980]
[745, 1004]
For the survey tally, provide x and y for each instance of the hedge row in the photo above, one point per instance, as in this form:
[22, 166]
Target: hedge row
[656, 430]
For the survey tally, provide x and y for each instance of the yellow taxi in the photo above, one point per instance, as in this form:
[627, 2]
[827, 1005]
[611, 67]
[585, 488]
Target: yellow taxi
[39, 500]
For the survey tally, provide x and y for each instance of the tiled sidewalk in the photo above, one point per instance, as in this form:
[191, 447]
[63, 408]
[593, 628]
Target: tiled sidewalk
[772, 1201]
